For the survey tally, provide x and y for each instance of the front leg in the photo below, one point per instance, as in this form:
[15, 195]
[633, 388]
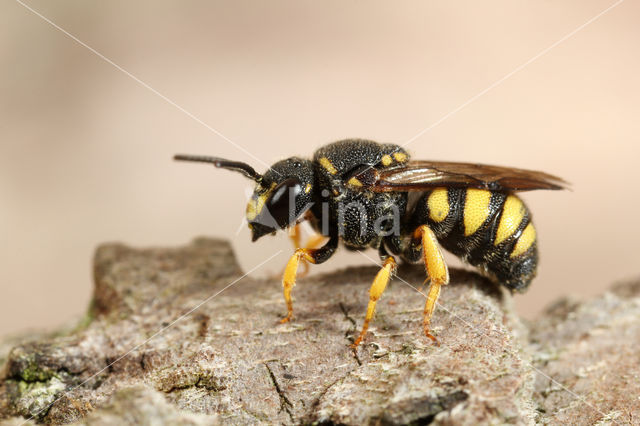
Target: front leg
[314, 242]
[315, 256]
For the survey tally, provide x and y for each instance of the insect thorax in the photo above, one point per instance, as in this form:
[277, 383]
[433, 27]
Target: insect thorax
[361, 217]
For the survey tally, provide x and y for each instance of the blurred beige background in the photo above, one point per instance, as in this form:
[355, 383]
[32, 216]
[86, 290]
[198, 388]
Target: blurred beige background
[85, 151]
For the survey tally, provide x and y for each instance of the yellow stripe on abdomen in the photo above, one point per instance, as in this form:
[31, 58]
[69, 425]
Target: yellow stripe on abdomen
[513, 212]
[525, 240]
[438, 203]
[476, 209]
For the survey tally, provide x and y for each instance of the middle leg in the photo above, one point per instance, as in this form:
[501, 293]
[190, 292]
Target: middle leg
[375, 292]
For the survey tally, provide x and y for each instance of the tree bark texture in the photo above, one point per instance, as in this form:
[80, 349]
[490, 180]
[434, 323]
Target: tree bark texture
[179, 336]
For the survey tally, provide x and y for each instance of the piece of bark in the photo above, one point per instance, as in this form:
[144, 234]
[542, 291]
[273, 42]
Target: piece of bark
[229, 360]
[141, 405]
[589, 358]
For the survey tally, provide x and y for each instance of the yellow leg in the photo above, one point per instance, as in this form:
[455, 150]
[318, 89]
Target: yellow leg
[437, 271]
[375, 292]
[432, 298]
[289, 278]
[294, 234]
[314, 242]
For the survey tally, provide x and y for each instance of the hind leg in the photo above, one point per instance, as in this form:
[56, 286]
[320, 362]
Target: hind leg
[436, 268]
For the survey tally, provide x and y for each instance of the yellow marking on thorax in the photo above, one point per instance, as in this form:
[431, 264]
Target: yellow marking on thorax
[438, 203]
[387, 160]
[513, 212]
[307, 189]
[525, 241]
[354, 182]
[400, 157]
[326, 163]
[476, 209]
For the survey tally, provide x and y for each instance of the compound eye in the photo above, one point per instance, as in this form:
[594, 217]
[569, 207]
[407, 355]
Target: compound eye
[281, 204]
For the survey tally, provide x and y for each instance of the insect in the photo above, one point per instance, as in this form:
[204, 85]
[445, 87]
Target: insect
[371, 195]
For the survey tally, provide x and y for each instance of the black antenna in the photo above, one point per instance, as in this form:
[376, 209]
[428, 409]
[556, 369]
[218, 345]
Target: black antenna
[237, 166]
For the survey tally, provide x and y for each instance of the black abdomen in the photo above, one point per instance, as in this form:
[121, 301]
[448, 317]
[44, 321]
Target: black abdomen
[489, 230]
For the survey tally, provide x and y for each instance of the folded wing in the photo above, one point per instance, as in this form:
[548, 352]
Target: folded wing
[422, 175]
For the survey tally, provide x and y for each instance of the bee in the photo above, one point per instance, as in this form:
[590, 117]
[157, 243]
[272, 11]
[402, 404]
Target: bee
[364, 194]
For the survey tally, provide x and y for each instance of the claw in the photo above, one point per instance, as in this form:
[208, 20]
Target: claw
[286, 319]
[430, 336]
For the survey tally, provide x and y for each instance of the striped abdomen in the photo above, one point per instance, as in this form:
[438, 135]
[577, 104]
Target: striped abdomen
[489, 230]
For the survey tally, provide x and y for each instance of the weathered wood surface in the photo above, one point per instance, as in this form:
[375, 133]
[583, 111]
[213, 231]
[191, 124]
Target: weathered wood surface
[151, 351]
